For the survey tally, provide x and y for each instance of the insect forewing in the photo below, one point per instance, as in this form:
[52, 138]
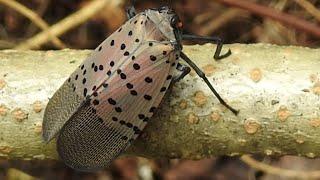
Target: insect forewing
[92, 74]
[120, 104]
[99, 132]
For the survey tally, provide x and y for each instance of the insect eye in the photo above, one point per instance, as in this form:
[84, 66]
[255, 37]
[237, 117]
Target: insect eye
[175, 22]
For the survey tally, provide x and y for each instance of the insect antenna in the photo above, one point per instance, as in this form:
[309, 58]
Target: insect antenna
[203, 76]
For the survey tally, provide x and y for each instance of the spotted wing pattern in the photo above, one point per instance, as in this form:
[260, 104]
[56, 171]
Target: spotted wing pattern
[92, 73]
[112, 119]
[119, 108]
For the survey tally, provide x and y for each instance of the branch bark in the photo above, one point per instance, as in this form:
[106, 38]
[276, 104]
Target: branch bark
[277, 90]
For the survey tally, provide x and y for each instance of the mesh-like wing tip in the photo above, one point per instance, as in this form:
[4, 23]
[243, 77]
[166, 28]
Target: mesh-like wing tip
[76, 166]
[84, 168]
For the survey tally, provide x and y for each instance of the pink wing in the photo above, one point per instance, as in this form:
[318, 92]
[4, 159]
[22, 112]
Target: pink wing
[110, 54]
[119, 109]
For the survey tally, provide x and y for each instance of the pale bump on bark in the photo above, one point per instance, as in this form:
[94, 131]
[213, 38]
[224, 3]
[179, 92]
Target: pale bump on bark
[274, 87]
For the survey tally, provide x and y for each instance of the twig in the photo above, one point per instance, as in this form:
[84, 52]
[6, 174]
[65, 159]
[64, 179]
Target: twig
[275, 32]
[309, 8]
[219, 21]
[35, 19]
[279, 171]
[67, 23]
[288, 19]
[44, 4]
[6, 44]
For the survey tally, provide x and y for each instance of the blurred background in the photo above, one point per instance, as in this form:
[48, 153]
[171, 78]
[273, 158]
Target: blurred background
[282, 22]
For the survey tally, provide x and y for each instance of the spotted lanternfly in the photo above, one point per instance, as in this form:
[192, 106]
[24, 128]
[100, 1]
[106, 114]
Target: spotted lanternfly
[109, 99]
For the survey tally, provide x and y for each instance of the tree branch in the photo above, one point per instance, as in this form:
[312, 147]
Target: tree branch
[67, 23]
[35, 18]
[277, 90]
[286, 19]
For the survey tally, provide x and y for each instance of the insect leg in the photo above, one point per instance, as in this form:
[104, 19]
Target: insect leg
[131, 11]
[217, 40]
[184, 71]
[203, 76]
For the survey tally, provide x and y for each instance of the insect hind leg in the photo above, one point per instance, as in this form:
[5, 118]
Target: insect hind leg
[131, 11]
[217, 40]
[184, 71]
[203, 76]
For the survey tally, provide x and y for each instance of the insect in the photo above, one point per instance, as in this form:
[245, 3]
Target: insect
[106, 103]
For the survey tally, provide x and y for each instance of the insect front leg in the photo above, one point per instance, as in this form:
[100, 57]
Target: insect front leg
[184, 71]
[203, 76]
[131, 11]
[217, 40]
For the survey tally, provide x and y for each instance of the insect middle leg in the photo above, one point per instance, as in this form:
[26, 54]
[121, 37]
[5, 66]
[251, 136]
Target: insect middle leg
[217, 40]
[131, 11]
[184, 71]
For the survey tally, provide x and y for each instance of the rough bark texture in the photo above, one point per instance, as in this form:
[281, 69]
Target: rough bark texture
[277, 90]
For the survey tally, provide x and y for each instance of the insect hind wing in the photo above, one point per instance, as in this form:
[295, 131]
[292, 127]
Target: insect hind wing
[59, 109]
[86, 143]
